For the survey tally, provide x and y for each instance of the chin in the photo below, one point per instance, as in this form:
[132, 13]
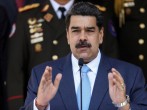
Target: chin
[84, 55]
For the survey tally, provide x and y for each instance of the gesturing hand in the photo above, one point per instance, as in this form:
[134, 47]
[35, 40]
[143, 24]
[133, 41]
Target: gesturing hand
[47, 89]
[117, 89]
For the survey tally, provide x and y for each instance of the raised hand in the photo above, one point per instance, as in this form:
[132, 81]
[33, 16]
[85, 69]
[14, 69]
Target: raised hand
[47, 89]
[117, 88]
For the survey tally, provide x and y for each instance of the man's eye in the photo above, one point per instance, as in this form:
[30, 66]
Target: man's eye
[75, 30]
[90, 30]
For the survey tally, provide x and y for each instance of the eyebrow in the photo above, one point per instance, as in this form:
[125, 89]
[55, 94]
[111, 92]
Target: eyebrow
[90, 28]
[76, 27]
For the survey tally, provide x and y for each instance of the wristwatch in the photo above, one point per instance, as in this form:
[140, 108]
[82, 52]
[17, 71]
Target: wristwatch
[122, 104]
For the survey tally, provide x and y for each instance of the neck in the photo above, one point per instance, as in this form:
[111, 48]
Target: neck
[62, 2]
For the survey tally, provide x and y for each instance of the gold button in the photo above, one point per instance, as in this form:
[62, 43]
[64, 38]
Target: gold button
[141, 41]
[141, 57]
[55, 42]
[142, 25]
[142, 10]
[128, 11]
[38, 47]
[54, 57]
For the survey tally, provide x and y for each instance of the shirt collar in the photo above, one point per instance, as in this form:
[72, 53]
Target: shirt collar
[93, 65]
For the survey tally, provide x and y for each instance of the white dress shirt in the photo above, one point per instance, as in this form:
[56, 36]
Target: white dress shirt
[93, 65]
[56, 6]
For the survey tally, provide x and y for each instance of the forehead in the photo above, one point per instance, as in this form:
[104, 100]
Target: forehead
[82, 21]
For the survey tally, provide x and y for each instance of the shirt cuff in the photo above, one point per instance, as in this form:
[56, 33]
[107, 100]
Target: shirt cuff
[35, 108]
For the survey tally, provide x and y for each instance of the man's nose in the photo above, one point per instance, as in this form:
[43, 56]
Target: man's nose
[83, 35]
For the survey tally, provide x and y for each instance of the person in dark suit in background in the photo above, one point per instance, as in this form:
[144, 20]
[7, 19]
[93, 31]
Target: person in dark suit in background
[132, 31]
[114, 84]
[8, 12]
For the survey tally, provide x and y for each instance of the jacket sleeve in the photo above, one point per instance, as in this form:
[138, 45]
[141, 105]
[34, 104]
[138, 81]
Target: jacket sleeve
[33, 85]
[138, 97]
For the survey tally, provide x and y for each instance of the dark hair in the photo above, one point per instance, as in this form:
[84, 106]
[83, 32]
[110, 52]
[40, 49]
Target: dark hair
[85, 9]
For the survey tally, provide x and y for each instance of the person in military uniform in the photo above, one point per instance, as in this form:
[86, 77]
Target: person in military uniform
[132, 31]
[8, 12]
[41, 36]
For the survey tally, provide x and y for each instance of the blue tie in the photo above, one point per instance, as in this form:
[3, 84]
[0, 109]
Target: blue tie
[86, 89]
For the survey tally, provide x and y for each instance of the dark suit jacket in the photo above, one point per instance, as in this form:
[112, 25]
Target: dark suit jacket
[65, 99]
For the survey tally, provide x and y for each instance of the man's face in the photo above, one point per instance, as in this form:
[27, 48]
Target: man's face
[84, 37]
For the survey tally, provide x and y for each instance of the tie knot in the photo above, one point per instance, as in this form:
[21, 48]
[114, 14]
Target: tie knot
[62, 9]
[85, 69]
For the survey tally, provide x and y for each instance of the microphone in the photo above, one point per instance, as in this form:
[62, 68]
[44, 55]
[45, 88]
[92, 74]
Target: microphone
[80, 63]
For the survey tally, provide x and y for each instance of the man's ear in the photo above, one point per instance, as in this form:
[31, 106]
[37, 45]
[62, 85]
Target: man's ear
[67, 36]
[101, 35]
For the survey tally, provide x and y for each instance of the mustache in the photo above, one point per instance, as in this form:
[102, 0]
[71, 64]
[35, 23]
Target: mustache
[83, 44]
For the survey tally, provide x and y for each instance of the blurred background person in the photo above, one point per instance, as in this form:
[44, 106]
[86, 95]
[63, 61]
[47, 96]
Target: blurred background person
[132, 31]
[8, 12]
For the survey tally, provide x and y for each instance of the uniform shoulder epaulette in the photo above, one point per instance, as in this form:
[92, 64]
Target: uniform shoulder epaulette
[101, 8]
[28, 7]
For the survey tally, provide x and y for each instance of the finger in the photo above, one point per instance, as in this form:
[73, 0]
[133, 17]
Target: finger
[117, 76]
[47, 76]
[110, 77]
[57, 80]
[118, 85]
[116, 79]
[117, 72]
[47, 73]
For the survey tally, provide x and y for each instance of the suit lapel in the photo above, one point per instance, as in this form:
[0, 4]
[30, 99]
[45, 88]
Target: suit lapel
[101, 85]
[67, 88]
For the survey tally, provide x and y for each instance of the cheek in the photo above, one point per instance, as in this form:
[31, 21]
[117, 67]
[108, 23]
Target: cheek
[94, 42]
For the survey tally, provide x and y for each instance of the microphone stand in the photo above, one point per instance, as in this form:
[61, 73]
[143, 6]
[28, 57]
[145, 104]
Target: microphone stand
[81, 62]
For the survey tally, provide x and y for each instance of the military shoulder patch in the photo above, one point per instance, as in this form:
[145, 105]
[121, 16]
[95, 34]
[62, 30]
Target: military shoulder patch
[101, 8]
[28, 7]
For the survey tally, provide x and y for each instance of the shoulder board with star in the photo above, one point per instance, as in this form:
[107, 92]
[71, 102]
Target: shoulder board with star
[101, 8]
[29, 7]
